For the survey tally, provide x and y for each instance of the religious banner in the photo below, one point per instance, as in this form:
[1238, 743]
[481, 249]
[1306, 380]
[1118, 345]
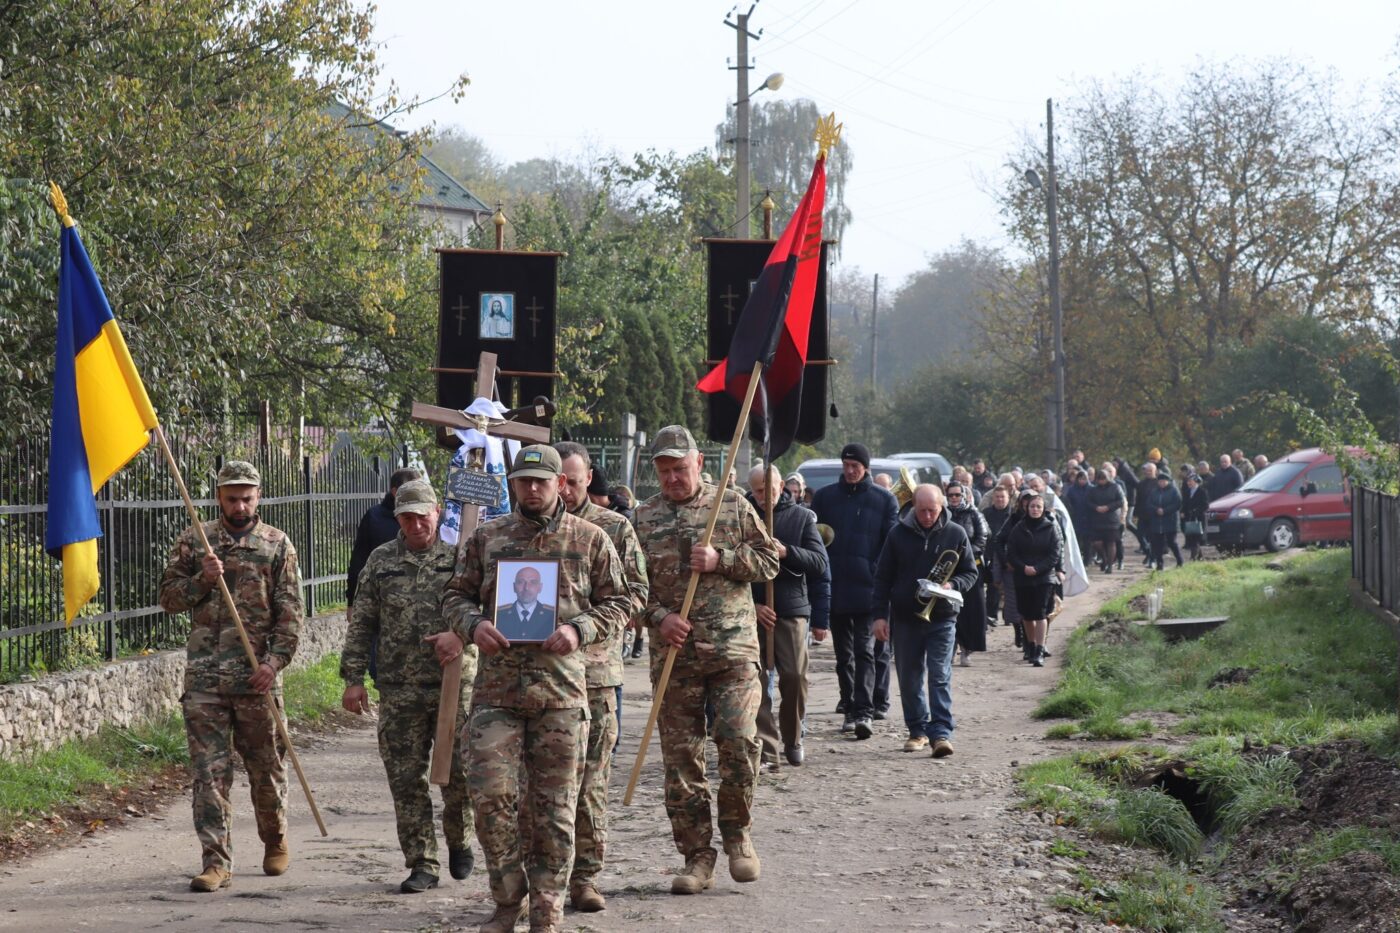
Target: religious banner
[502, 302]
[734, 268]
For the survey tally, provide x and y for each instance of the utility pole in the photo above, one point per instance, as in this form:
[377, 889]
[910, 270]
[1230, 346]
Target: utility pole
[1056, 312]
[742, 68]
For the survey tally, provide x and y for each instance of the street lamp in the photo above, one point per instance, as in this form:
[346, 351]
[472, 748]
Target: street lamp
[1056, 445]
[741, 144]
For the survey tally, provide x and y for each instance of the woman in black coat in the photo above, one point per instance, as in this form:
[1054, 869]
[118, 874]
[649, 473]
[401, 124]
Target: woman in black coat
[1107, 505]
[1034, 548]
[1194, 502]
[995, 514]
[972, 618]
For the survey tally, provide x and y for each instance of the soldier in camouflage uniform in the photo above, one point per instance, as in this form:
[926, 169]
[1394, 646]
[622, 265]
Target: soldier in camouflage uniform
[531, 701]
[225, 708]
[398, 604]
[604, 681]
[718, 659]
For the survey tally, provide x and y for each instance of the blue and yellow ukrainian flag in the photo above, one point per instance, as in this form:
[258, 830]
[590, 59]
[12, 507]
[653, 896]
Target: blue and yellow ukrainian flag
[101, 415]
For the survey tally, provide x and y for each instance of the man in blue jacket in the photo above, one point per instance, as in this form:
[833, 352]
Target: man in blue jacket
[861, 514]
[903, 588]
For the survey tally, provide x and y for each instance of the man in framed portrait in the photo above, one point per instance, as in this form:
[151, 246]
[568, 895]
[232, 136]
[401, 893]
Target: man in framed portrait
[497, 316]
[526, 613]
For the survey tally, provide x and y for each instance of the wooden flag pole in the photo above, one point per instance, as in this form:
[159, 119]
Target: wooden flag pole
[664, 679]
[242, 632]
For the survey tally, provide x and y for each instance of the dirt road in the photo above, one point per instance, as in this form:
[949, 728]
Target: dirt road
[862, 837]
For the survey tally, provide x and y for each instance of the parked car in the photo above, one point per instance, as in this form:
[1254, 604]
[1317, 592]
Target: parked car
[1299, 499]
[929, 464]
[819, 473]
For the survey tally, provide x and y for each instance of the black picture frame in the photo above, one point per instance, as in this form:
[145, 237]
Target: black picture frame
[544, 618]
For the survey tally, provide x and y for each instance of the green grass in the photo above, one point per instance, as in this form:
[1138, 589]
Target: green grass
[1330, 846]
[37, 784]
[1322, 670]
[1167, 900]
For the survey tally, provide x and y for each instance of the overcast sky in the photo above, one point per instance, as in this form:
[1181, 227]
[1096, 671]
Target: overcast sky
[934, 95]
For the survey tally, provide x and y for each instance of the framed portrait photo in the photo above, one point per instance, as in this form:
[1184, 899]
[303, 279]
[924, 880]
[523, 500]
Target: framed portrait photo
[527, 598]
[497, 316]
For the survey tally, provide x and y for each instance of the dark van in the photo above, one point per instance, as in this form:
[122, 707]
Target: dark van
[1297, 500]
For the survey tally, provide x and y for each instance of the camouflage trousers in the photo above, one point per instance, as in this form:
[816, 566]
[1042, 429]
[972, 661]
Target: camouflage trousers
[591, 818]
[407, 722]
[548, 746]
[217, 725]
[734, 689]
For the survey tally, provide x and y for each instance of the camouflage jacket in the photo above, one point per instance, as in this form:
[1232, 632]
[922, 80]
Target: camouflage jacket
[260, 568]
[604, 657]
[398, 602]
[592, 597]
[725, 625]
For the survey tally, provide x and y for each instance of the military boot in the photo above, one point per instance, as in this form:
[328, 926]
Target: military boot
[698, 874]
[506, 917]
[275, 855]
[743, 859]
[211, 879]
[586, 898]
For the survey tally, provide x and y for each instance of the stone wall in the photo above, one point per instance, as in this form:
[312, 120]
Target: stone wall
[44, 713]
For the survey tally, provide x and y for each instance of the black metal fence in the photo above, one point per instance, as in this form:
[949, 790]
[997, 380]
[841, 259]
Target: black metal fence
[317, 500]
[1375, 545]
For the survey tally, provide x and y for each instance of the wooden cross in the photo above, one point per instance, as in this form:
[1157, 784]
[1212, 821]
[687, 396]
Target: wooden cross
[449, 698]
[534, 307]
[729, 297]
[461, 308]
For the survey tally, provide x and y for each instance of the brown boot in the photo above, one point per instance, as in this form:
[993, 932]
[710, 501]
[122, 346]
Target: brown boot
[211, 879]
[275, 855]
[698, 874]
[506, 917]
[586, 898]
[743, 859]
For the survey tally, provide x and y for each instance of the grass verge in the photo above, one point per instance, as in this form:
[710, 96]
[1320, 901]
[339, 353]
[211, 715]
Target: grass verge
[117, 758]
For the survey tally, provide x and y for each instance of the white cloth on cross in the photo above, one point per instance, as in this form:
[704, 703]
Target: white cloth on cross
[498, 453]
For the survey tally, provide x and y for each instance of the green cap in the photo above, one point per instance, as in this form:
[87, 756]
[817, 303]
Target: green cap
[538, 461]
[674, 440]
[239, 473]
[415, 496]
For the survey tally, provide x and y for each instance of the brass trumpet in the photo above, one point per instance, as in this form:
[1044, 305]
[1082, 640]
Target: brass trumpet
[903, 490]
[940, 573]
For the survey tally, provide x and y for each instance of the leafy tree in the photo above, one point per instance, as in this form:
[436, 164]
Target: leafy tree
[1189, 223]
[255, 241]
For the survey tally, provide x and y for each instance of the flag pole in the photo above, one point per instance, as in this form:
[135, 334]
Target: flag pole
[238, 623]
[660, 689]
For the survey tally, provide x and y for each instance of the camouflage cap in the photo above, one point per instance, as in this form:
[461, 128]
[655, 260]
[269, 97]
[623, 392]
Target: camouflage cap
[239, 473]
[538, 461]
[674, 440]
[415, 496]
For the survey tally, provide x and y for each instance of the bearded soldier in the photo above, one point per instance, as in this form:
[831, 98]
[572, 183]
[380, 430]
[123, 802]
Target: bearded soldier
[225, 707]
[398, 604]
[604, 681]
[718, 659]
[531, 701]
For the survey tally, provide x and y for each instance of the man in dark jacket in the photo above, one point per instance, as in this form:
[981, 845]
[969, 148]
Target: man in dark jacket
[377, 526]
[800, 555]
[902, 589]
[861, 514]
[1226, 479]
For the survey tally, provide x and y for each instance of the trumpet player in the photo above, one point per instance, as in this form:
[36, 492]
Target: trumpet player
[924, 569]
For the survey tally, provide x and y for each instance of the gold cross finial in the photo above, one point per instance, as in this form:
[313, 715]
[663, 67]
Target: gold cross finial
[827, 135]
[60, 204]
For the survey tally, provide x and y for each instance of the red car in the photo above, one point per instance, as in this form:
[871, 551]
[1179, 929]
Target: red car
[1297, 500]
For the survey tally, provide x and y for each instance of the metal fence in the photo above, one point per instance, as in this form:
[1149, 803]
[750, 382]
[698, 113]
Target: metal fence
[1375, 545]
[317, 501]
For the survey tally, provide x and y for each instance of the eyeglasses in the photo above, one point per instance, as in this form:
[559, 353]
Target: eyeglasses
[954, 495]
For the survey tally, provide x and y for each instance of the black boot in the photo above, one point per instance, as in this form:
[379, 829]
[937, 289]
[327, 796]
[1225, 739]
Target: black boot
[1037, 656]
[418, 882]
[460, 862]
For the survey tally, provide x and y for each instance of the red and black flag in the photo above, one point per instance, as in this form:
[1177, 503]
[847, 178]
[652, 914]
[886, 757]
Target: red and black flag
[774, 325]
